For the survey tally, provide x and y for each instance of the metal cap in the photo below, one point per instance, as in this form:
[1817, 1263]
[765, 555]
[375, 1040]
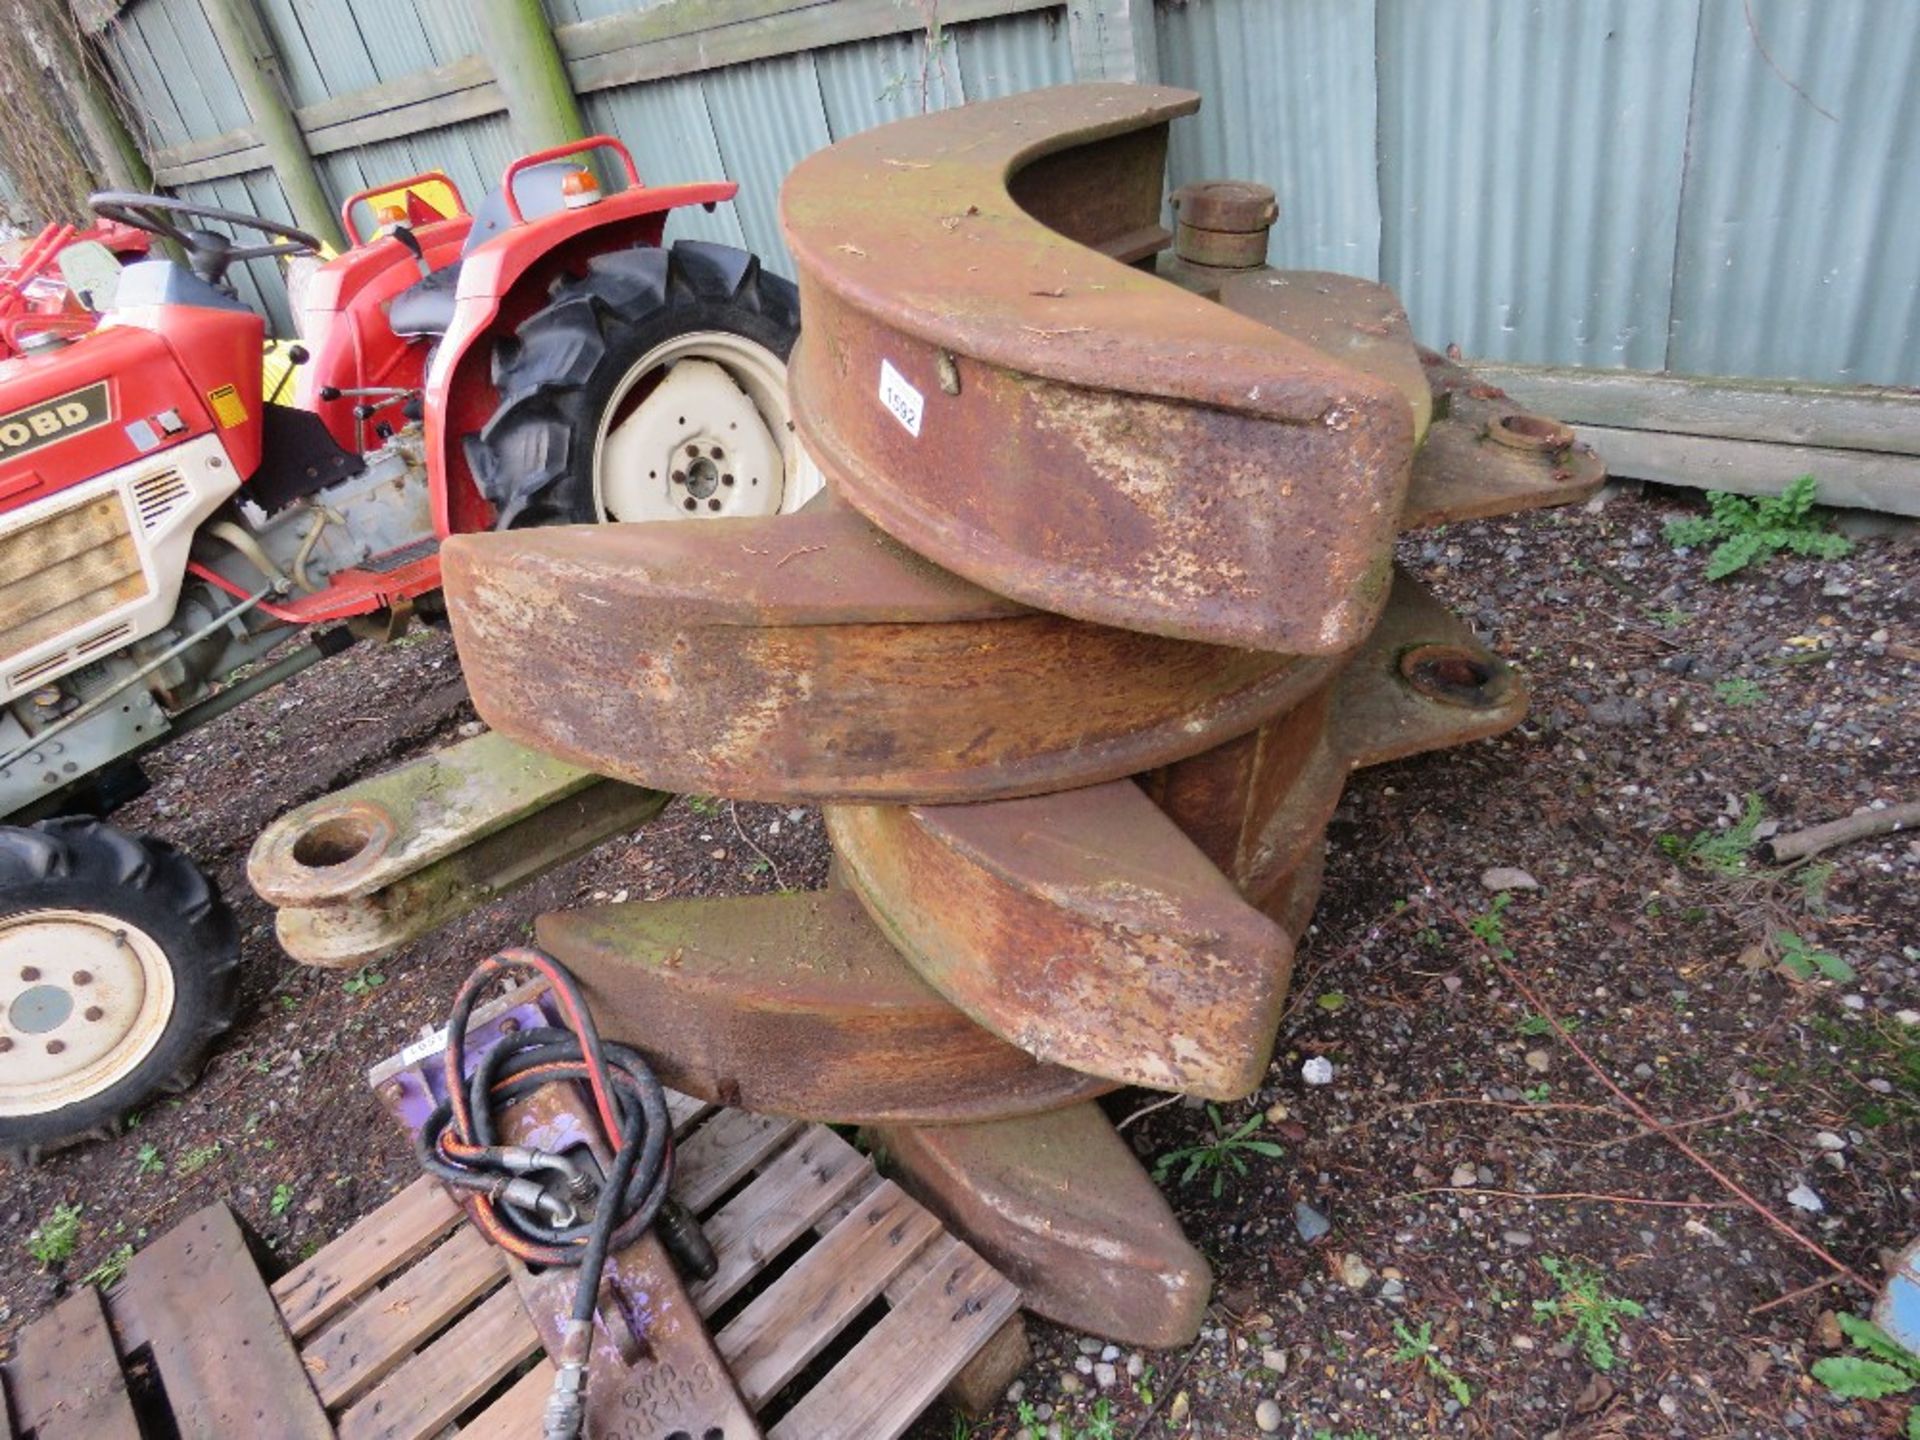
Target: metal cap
[1223, 223]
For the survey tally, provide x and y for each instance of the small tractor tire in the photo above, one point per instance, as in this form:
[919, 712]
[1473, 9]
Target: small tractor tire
[587, 377]
[119, 965]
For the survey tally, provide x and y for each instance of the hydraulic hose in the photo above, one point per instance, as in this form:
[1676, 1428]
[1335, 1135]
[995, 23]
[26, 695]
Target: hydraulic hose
[527, 1201]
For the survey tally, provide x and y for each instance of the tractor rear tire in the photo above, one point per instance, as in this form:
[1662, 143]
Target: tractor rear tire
[591, 353]
[119, 965]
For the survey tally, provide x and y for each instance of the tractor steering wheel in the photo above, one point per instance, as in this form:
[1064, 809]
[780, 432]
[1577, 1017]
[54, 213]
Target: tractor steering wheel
[208, 252]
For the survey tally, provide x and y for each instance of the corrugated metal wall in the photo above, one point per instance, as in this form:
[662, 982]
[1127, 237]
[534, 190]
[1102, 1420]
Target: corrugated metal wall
[1708, 186]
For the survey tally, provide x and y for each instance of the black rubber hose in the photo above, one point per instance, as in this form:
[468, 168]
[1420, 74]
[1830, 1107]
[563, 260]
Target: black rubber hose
[460, 1144]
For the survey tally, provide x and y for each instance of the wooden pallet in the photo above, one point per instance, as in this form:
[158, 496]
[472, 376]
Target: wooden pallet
[841, 1307]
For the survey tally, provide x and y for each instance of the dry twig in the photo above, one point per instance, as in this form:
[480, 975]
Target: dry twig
[733, 813]
[1859, 826]
[1588, 1195]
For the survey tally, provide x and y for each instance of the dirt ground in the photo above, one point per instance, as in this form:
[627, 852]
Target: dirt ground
[1480, 1190]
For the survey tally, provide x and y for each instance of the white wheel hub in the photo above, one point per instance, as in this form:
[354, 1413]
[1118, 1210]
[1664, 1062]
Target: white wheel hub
[84, 998]
[712, 437]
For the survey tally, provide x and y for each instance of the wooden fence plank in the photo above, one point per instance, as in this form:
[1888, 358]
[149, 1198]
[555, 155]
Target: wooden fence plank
[431, 1389]
[768, 1343]
[400, 1231]
[1782, 412]
[886, 1380]
[225, 1358]
[1854, 478]
[66, 1378]
[605, 65]
[382, 1331]
[679, 37]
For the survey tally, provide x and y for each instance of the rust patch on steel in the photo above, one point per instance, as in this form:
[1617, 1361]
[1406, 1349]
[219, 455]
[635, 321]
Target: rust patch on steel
[795, 1005]
[1158, 464]
[809, 657]
[1357, 322]
[1081, 927]
[1258, 806]
[1060, 1206]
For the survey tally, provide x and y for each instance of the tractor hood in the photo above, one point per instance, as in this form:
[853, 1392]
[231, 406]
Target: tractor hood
[106, 400]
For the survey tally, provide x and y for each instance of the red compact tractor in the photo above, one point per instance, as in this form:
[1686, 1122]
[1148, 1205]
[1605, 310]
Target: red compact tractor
[162, 523]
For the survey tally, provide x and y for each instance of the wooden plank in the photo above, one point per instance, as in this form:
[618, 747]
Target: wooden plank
[431, 1389]
[448, 109]
[66, 1378]
[218, 167]
[770, 1341]
[717, 1156]
[225, 1358]
[129, 1334]
[383, 1330]
[6, 1418]
[1856, 479]
[631, 49]
[1113, 40]
[396, 1234]
[407, 91]
[781, 1204]
[680, 37]
[684, 1111]
[516, 1414]
[885, 1381]
[465, 87]
[1785, 412]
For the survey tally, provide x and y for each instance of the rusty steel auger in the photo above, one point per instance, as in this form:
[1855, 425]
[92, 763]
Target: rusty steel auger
[1077, 652]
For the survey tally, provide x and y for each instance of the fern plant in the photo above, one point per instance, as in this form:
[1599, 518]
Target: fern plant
[1884, 1369]
[1742, 531]
[1723, 852]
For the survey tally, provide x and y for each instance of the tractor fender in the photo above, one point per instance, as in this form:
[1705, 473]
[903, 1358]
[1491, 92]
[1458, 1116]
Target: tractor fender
[343, 322]
[501, 284]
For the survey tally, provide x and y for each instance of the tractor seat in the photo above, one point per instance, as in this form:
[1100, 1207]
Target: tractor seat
[426, 306]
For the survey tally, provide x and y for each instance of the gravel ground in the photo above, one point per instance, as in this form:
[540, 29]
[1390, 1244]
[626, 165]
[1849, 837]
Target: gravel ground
[1479, 1190]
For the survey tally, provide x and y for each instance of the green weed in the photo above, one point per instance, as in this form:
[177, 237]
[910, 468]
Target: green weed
[363, 981]
[1101, 1422]
[1672, 617]
[108, 1272]
[1742, 531]
[1224, 1151]
[1803, 962]
[705, 806]
[1722, 852]
[147, 1159]
[282, 1200]
[1539, 1025]
[1537, 1094]
[1885, 1369]
[52, 1241]
[196, 1160]
[1591, 1316]
[1490, 925]
[1418, 1345]
[1738, 692]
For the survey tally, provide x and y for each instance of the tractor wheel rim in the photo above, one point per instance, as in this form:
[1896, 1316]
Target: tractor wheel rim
[713, 437]
[84, 998]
